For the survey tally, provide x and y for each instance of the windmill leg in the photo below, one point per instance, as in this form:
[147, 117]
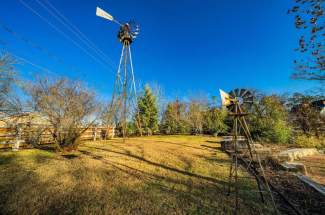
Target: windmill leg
[124, 125]
[230, 176]
[232, 157]
[247, 134]
[236, 184]
[135, 93]
[113, 106]
[236, 163]
[261, 167]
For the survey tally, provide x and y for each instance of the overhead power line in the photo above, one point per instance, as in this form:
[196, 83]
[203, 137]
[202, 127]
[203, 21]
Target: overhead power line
[35, 65]
[43, 68]
[75, 30]
[36, 46]
[62, 33]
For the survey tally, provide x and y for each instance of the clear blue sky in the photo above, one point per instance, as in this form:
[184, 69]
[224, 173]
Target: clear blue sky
[184, 45]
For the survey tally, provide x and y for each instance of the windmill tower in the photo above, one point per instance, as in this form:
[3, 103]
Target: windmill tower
[124, 98]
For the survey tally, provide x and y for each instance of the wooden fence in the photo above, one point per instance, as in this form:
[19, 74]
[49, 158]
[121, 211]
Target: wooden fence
[9, 137]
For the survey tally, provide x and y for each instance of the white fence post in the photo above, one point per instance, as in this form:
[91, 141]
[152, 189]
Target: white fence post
[95, 133]
[16, 145]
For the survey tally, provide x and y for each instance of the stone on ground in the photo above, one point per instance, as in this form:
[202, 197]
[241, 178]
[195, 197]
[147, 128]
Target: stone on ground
[295, 154]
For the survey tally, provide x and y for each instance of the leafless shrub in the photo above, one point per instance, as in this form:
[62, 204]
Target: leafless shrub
[9, 103]
[68, 106]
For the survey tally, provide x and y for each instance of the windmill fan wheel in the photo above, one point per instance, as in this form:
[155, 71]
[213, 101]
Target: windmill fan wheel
[243, 97]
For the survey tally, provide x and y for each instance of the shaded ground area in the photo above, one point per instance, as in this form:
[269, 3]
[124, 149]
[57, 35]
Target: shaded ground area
[150, 175]
[315, 167]
[305, 199]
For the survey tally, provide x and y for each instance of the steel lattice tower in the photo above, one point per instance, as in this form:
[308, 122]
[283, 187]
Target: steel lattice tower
[123, 105]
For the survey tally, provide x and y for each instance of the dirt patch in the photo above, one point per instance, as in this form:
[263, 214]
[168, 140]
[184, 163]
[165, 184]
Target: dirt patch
[315, 167]
[303, 197]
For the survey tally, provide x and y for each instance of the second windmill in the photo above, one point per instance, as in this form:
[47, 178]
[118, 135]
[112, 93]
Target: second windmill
[124, 98]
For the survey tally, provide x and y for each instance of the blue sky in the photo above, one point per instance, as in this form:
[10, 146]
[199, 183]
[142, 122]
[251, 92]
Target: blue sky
[185, 46]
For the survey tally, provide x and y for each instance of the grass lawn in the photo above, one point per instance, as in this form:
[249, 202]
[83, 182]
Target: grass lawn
[149, 175]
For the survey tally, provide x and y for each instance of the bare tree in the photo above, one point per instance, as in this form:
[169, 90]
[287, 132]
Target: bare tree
[310, 20]
[68, 106]
[9, 103]
[304, 114]
[195, 114]
[159, 92]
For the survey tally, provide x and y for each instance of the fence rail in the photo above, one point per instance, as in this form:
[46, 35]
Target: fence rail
[9, 137]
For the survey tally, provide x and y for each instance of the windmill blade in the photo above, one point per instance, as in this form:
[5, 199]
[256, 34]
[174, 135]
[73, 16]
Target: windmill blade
[234, 93]
[243, 92]
[244, 95]
[101, 13]
[248, 97]
[237, 92]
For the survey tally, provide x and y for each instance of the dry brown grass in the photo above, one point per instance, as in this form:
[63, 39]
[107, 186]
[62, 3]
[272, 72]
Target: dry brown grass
[149, 175]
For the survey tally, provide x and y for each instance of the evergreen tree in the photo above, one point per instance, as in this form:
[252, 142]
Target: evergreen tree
[174, 120]
[147, 115]
[214, 121]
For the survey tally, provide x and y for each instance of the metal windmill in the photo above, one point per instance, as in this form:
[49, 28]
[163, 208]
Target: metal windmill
[124, 98]
[236, 102]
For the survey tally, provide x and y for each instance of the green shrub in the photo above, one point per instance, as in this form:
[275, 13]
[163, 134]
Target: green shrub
[268, 120]
[309, 142]
[214, 121]
[280, 132]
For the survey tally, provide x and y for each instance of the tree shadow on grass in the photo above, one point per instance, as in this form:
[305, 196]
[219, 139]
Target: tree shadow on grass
[216, 160]
[216, 182]
[162, 166]
[46, 147]
[216, 148]
[193, 193]
[202, 194]
[70, 156]
[6, 159]
[178, 144]
[210, 141]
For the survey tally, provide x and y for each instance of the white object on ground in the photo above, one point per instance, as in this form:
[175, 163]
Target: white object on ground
[294, 154]
[295, 167]
[15, 146]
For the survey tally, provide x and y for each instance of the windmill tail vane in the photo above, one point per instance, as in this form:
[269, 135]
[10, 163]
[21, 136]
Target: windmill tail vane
[225, 98]
[103, 14]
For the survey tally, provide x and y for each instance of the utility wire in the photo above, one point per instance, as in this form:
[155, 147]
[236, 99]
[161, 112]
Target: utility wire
[74, 29]
[61, 32]
[34, 64]
[20, 59]
[36, 46]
